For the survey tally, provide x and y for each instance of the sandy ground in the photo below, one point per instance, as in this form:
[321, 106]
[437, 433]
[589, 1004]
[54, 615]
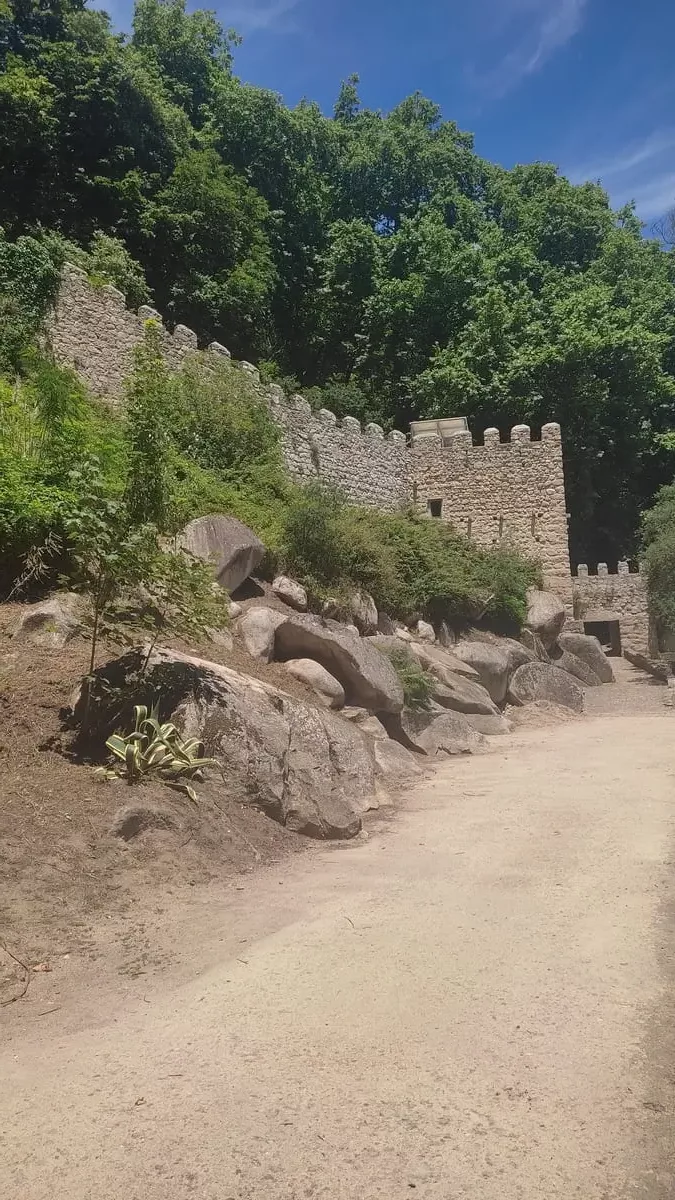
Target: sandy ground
[475, 1002]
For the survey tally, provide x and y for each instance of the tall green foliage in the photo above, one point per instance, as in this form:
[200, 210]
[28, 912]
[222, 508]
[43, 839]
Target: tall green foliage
[375, 255]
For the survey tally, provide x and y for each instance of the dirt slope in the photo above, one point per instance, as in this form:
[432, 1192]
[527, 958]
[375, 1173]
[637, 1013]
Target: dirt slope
[477, 1002]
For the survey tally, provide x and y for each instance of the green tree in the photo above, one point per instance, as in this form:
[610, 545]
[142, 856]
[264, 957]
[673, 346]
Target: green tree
[211, 265]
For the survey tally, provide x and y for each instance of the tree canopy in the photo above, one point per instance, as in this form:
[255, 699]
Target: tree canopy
[375, 256]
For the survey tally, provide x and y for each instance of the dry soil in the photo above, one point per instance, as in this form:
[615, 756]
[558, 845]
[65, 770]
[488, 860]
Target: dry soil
[475, 1002]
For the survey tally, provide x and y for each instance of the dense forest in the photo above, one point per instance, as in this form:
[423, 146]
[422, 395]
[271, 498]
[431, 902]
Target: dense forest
[376, 257]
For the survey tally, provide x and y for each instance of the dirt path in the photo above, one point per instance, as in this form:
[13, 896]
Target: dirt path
[476, 1003]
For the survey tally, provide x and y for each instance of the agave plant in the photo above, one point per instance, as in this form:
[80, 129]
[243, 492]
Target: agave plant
[153, 749]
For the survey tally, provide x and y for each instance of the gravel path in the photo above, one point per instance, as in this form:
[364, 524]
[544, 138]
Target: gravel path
[477, 1002]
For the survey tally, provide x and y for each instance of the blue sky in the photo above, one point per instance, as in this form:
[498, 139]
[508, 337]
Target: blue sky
[587, 84]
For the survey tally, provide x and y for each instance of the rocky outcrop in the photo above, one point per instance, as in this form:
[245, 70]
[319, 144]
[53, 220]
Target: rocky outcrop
[463, 695]
[302, 765]
[425, 632]
[494, 725]
[564, 660]
[290, 592]
[257, 628]
[439, 733]
[537, 681]
[589, 650]
[396, 766]
[230, 546]
[364, 612]
[367, 676]
[533, 642]
[440, 662]
[491, 664]
[52, 623]
[326, 688]
[545, 616]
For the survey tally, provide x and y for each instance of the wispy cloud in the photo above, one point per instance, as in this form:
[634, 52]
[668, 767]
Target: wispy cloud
[643, 171]
[628, 158]
[534, 30]
[257, 16]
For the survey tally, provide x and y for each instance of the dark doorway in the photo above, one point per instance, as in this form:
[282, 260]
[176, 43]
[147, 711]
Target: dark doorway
[608, 634]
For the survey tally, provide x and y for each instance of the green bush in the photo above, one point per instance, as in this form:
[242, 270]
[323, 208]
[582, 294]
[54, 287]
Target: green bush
[106, 260]
[417, 684]
[219, 420]
[412, 566]
[658, 536]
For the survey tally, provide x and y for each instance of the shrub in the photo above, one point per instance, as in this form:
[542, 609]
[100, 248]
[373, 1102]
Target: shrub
[219, 420]
[658, 535]
[107, 260]
[417, 684]
[411, 565]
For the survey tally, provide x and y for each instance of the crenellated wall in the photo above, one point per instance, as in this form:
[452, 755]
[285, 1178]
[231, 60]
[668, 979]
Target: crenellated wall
[93, 331]
[369, 467]
[512, 492]
[622, 596]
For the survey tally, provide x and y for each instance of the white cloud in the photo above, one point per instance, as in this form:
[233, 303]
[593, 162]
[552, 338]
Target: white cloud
[258, 15]
[654, 197]
[642, 171]
[536, 30]
[628, 158]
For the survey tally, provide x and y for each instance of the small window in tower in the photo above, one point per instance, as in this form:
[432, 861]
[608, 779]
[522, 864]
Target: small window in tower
[501, 527]
[469, 527]
[435, 508]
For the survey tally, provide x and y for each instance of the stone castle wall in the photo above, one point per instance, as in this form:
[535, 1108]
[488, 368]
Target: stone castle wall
[512, 492]
[623, 597]
[93, 331]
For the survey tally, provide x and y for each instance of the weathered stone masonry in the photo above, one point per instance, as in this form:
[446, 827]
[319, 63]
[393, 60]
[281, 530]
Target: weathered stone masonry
[604, 598]
[512, 492]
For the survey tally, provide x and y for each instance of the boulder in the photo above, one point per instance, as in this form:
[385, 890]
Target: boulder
[234, 610]
[533, 642]
[230, 546]
[564, 660]
[517, 653]
[302, 765]
[290, 592]
[491, 664]
[590, 651]
[463, 695]
[494, 725]
[51, 623]
[324, 685]
[402, 633]
[257, 628]
[545, 616]
[385, 624]
[446, 637]
[363, 610]
[440, 662]
[367, 676]
[425, 632]
[440, 733]
[536, 681]
[396, 765]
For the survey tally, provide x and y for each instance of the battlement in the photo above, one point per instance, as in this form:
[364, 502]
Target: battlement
[494, 491]
[602, 571]
[463, 439]
[603, 596]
